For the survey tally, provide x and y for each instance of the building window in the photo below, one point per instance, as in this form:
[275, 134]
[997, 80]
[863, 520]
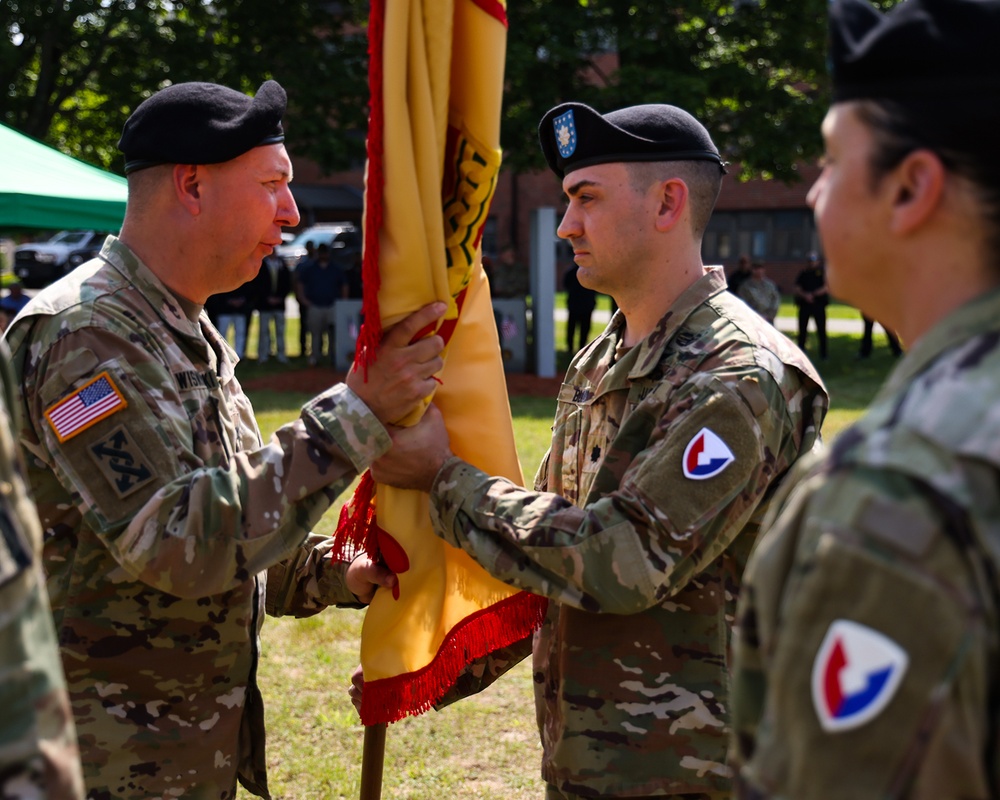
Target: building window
[786, 235]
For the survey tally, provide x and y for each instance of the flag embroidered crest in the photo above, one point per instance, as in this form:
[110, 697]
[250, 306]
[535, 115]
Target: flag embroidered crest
[706, 455]
[856, 673]
[87, 406]
[565, 133]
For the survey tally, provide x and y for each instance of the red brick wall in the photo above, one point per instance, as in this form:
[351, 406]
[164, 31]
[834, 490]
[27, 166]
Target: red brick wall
[757, 195]
[517, 196]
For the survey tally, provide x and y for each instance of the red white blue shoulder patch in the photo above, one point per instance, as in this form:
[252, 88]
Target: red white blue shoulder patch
[95, 400]
[706, 455]
[856, 673]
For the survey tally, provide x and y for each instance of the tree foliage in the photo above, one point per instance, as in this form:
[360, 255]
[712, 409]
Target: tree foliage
[753, 70]
[70, 72]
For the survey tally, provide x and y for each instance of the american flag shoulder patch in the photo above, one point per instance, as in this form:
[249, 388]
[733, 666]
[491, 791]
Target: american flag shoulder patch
[86, 406]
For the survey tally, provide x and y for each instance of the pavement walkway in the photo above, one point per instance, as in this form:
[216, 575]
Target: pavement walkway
[785, 324]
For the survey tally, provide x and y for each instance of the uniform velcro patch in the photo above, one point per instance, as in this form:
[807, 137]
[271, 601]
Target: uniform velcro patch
[96, 400]
[120, 460]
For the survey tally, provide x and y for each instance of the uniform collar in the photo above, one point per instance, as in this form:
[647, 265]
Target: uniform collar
[969, 320]
[170, 307]
[651, 348]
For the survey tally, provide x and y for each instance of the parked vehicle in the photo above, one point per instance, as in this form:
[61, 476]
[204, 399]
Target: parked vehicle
[37, 264]
[344, 238]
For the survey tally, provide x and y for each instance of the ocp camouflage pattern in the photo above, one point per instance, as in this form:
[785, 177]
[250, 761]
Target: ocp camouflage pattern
[160, 522]
[38, 752]
[643, 564]
[897, 529]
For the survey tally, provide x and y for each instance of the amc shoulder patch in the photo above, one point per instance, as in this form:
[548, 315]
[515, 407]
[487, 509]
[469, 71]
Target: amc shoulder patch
[96, 400]
[856, 672]
[706, 455]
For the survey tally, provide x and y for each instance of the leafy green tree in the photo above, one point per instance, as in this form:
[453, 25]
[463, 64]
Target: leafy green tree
[70, 72]
[753, 70]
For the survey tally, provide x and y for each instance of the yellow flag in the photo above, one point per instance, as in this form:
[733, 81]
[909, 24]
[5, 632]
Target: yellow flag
[433, 160]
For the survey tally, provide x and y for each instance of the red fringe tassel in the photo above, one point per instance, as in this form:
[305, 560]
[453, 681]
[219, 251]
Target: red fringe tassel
[371, 327]
[412, 693]
[356, 530]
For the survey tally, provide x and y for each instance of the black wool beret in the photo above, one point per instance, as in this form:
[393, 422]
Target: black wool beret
[201, 123]
[921, 51]
[574, 135]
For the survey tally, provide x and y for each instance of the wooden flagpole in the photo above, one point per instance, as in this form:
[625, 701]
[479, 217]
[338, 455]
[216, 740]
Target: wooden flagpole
[372, 760]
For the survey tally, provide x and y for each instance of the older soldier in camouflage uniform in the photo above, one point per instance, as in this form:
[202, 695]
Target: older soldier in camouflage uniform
[170, 527]
[38, 752]
[672, 430]
[868, 642]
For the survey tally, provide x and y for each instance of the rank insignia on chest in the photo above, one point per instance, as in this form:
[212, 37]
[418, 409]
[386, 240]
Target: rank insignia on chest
[856, 672]
[706, 456]
[86, 406]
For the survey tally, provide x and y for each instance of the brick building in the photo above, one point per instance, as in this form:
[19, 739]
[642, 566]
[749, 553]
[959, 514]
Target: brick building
[767, 220]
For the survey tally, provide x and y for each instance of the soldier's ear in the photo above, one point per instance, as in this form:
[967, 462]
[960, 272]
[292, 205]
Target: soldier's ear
[673, 201]
[187, 187]
[917, 191]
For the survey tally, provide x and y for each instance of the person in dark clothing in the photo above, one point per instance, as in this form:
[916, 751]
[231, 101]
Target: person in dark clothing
[741, 274]
[319, 284]
[270, 289]
[232, 310]
[865, 350]
[303, 308]
[580, 302]
[811, 296]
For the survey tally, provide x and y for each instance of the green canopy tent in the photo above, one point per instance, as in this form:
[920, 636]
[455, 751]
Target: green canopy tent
[43, 188]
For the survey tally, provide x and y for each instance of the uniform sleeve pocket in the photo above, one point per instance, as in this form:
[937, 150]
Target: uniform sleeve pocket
[865, 662]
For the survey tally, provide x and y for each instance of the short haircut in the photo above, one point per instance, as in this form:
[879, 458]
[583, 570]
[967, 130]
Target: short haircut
[703, 179]
[897, 134]
[144, 184]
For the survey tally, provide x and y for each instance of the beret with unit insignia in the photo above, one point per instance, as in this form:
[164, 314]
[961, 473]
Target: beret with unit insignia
[201, 123]
[574, 135]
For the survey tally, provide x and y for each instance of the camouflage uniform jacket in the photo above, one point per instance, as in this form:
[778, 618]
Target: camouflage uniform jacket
[38, 752]
[160, 515]
[643, 563]
[867, 661]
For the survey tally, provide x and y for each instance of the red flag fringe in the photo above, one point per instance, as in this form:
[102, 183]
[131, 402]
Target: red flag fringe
[412, 693]
[356, 531]
[371, 325]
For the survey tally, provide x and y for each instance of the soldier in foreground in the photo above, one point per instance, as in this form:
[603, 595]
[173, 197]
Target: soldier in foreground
[170, 527]
[38, 752]
[672, 430]
[867, 649]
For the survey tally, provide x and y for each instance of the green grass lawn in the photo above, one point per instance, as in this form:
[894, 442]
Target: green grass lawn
[482, 747]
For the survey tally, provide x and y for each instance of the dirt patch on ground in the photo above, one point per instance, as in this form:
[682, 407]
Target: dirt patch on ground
[313, 380]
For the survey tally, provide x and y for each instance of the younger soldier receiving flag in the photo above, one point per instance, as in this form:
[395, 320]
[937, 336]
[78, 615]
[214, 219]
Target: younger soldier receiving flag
[672, 431]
